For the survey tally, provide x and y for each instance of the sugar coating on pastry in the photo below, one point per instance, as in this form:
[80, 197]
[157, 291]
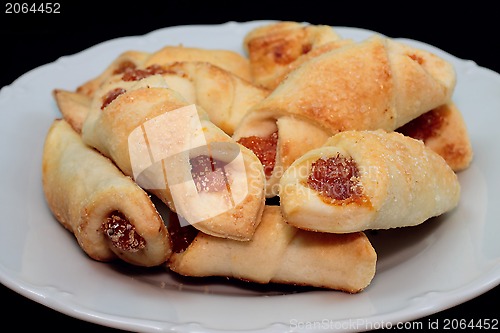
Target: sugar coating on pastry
[360, 180]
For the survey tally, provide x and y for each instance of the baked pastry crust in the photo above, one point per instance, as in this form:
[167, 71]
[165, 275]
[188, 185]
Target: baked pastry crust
[225, 96]
[273, 48]
[127, 59]
[374, 84]
[444, 130]
[85, 191]
[168, 124]
[177, 132]
[398, 182]
[230, 61]
[281, 253]
[74, 107]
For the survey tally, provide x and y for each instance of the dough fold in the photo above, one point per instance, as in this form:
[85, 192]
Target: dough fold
[444, 130]
[108, 213]
[273, 49]
[374, 84]
[281, 253]
[173, 150]
[360, 180]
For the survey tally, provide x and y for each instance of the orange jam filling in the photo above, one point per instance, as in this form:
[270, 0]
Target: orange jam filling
[336, 178]
[264, 148]
[122, 233]
[181, 236]
[423, 127]
[208, 173]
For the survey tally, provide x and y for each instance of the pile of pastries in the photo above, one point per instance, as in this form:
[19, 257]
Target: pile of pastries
[272, 164]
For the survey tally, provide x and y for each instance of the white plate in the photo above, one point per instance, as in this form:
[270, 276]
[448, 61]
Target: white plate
[421, 270]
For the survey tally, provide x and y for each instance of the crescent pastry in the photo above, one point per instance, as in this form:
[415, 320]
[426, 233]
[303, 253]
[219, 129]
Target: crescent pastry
[374, 84]
[443, 129]
[172, 149]
[228, 60]
[361, 180]
[281, 253]
[110, 215]
[226, 97]
[272, 48]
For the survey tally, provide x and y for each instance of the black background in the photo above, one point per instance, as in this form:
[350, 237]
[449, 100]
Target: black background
[468, 31]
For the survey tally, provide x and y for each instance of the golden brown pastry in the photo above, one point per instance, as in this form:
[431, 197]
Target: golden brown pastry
[173, 150]
[110, 215]
[223, 95]
[280, 75]
[281, 253]
[374, 84]
[273, 47]
[230, 61]
[126, 60]
[361, 180]
[74, 107]
[443, 129]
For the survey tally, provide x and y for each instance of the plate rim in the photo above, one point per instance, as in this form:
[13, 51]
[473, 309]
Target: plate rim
[87, 314]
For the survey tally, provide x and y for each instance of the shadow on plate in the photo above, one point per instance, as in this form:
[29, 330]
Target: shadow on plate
[398, 245]
[163, 278]
[393, 247]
